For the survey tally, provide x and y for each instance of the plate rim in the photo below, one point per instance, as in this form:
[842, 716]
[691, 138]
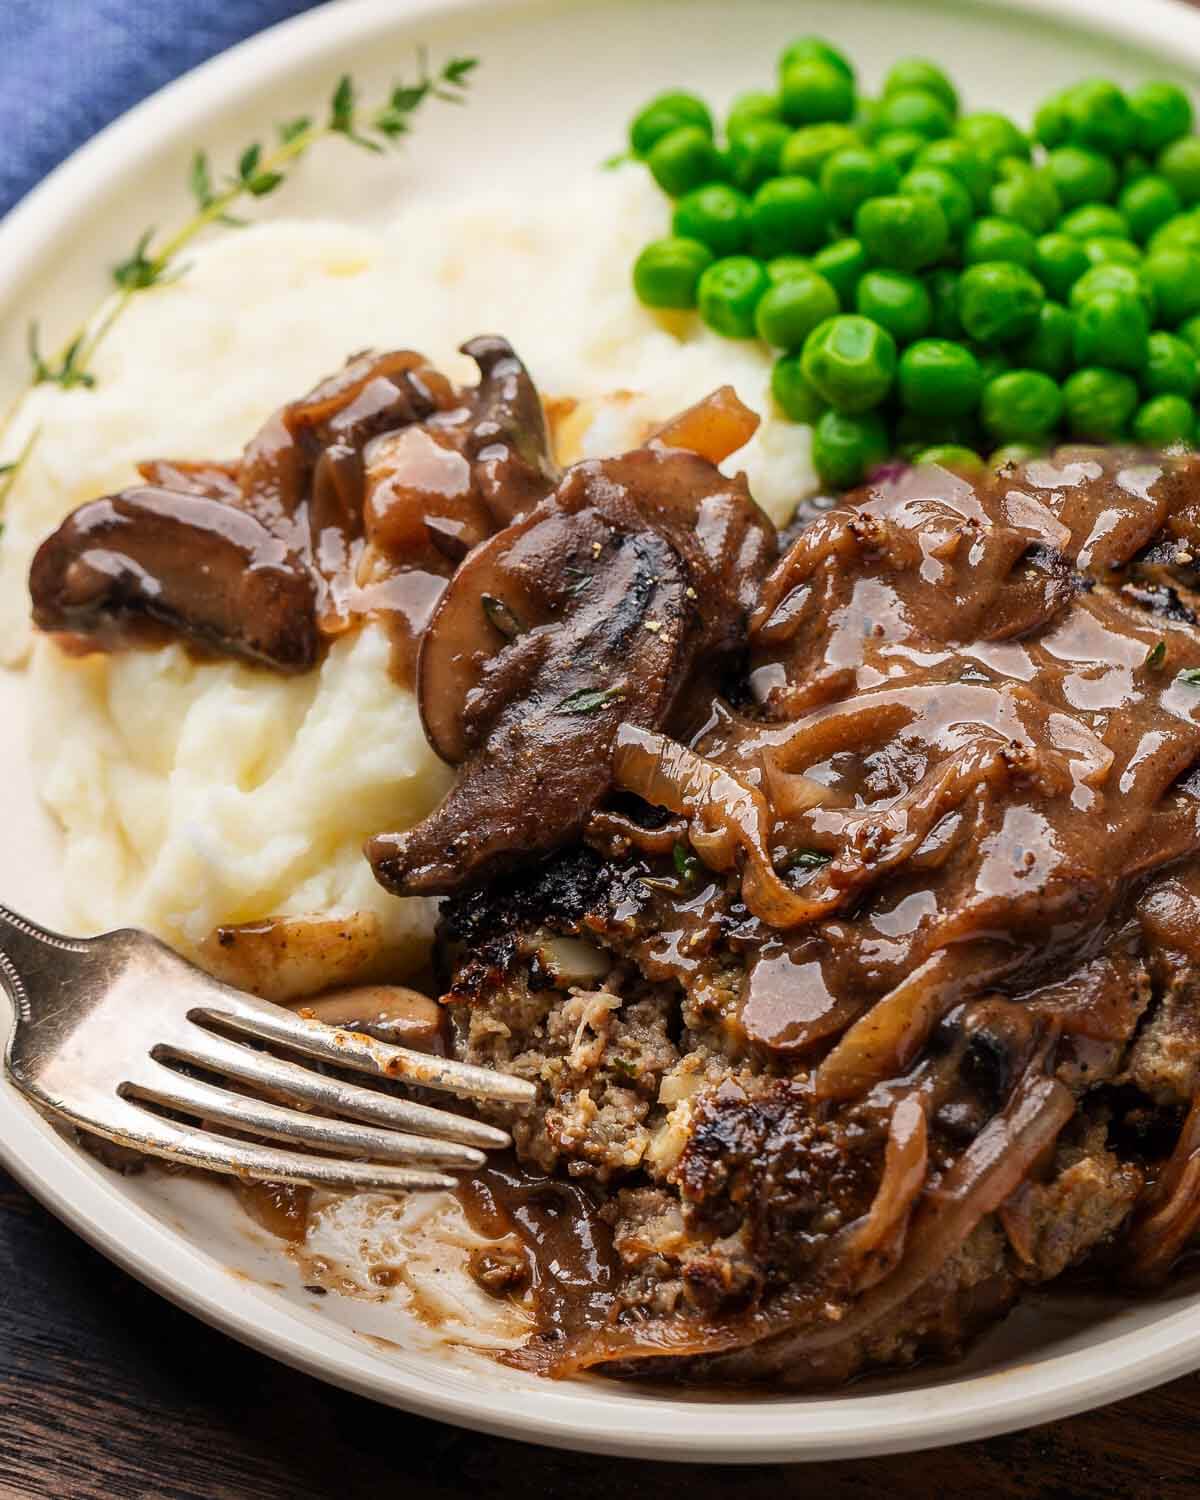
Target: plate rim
[571, 1417]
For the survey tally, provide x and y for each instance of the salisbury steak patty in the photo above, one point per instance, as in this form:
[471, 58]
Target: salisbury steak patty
[870, 995]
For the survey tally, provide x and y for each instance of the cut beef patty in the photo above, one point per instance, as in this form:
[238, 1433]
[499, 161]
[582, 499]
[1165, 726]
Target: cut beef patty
[868, 997]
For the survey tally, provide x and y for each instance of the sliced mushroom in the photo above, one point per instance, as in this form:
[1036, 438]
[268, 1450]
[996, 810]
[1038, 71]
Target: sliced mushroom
[585, 614]
[506, 442]
[117, 567]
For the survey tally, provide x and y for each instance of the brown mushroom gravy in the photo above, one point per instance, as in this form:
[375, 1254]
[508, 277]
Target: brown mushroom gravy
[839, 892]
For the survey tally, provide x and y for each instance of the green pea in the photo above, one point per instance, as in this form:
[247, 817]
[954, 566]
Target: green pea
[784, 266]
[684, 159]
[1170, 367]
[751, 108]
[999, 302]
[815, 49]
[1081, 175]
[1174, 278]
[717, 215]
[1013, 454]
[1050, 125]
[850, 362]
[901, 147]
[754, 154]
[1026, 195]
[957, 158]
[945, 190]
[841, 264]
[1112, 276]
[898, 302]
[813, 90]
[1050, 347]
[992, 136]
[1021, 405]
[728, 293]
[1094, 219]
[1165, 421]
[1112, 329]
[810, 147]
[793, 394]
[853, 175]
[1098, 115]
[1059, 262]
[906, 233]
[1099, 404]
[1189, 332]
[1180, 233]
[1179, 163]
[1161, 113]
[846, 448]
[953, 456]
[667, 272]
[920, 73]
[664, 114]
[1104, 249]
[788, 213]
[1148, 203]
[939, 378]
[942, 286]
[999, 239]
[789, 310]
[917, 110]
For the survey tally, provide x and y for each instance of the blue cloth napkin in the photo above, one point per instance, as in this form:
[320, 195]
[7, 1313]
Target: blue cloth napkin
[68, 67]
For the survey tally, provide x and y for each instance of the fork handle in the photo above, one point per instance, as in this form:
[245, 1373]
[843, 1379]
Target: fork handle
[29, 948]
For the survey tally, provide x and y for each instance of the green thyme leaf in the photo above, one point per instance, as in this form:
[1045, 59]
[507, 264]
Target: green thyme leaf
[248, 162]
[341, 106]
[624, 1067]
[456, 70]
[1156, 655]
[808, 859]
[588, 700]
[687, 866]
[263, 183]
[292, 130]
[1190, 675]
[501, 616]
[200, 179]
[138, 270]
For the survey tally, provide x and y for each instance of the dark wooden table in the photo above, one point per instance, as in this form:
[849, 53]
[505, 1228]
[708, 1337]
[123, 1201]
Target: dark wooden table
[109, 1393]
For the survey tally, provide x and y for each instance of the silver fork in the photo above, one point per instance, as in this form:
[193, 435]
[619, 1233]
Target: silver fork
[101, 1024]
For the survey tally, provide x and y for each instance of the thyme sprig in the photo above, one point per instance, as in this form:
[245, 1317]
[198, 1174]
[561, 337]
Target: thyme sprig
[260, 170]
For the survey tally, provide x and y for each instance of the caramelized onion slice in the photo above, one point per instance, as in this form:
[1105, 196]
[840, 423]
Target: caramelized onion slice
[182, 561]
[1169, 1215]
[725, 816]
[714, 428]
[872, 1245]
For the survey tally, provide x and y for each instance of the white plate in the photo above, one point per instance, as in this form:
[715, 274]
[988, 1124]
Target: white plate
[557, 84]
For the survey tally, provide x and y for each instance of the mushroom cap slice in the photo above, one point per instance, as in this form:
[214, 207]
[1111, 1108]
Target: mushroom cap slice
[117, 567]
[588, 613]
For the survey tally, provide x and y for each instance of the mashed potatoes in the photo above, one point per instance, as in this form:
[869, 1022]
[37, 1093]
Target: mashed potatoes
[193, 794]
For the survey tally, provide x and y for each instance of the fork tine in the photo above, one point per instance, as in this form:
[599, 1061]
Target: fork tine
[129, 1125]
[210, 1103]
[353, 1049]
[220, 1055]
